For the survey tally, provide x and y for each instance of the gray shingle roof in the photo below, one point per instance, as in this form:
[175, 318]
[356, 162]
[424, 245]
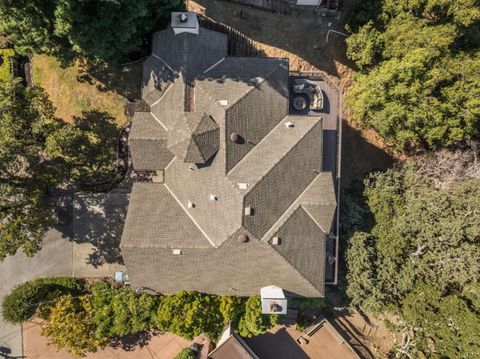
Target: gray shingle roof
[147, 141]
[191, 54]
[205, 141]
[280, 167]
[156, 220]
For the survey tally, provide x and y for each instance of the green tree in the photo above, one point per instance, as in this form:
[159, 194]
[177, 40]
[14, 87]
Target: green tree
[123, 25]
[420, 78]
[420, 235]
[28, 25]
[254, 322]
[186, 353]
[71, 326]
[120, 312]
[26, 119]
[189, 314]
[24, 300]
[88, 147]
[232, 308]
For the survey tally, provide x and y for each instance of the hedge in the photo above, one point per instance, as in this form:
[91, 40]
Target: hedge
[27, 298]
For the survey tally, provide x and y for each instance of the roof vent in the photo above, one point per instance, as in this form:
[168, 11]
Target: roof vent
[243, 238]
[184, 22]
[289, 124]
[177, 252]
[190, 204]
[234, 137]
[213, 197]
[242, 185]
[248, 211]
[276, 241]
[224, 102]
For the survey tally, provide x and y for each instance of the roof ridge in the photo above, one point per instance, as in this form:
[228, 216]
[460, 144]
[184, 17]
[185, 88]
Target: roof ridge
[313, 218]
[295, 268]
[274, 70]
[281, 157]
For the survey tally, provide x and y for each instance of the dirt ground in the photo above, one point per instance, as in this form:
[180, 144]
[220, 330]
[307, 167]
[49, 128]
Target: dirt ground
[302, 38]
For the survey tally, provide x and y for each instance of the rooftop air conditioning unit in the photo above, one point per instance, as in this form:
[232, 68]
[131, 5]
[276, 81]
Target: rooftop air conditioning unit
[184, 22]
[273, 300]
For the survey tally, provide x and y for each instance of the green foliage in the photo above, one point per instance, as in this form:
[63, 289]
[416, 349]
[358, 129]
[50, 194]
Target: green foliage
[232, 308]
[120, 312]
[189, 314]
[22, 303]
[71, 327]
[419, 235]
[88, 147]
[58, 27]
[186, 353]
[420, 79]
[309, 310]
[254, 322]
[5, 64]
[26, 119]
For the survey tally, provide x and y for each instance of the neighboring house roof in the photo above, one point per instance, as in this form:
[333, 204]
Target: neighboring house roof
[235, 163]
[233, 348]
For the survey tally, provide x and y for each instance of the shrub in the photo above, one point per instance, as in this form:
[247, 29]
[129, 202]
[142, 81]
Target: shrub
[189, 314]
[232, 308]
[24, 301]
[254, 322]
[71, 326]
[186, 353]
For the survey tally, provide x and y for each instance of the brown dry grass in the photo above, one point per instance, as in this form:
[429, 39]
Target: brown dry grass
[70, 96]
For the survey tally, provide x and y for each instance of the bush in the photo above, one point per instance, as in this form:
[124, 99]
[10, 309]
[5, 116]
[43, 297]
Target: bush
[186, 353]
[71, 327]
[24, 301]
[189, 314]
[254, 322]
[232, 309]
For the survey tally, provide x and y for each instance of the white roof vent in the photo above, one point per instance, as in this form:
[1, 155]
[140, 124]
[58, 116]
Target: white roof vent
[248, 211]
[276, 241]
[289, 124]
[190, 204]
[213, 197]
[177, 252]
[273, 300]
[224, 102]
[242, 185]
[184, 22]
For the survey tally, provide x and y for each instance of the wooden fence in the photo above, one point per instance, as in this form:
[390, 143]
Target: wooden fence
[238, 43]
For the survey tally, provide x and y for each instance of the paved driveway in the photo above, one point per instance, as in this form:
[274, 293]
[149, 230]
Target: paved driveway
[55, 259]
[97, 221]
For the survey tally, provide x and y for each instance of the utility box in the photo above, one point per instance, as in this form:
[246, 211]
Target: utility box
[184, 22]
[273, 300]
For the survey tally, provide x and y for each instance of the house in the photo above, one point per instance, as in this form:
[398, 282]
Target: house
[238, 199]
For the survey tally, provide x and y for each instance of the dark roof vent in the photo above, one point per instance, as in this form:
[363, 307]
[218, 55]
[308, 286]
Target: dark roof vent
[243, 238]
[234, 137]
[182, 17]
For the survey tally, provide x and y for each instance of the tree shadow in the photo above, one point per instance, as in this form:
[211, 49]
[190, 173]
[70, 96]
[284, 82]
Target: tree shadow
[98, 219]
[276, 345]
[131, 342]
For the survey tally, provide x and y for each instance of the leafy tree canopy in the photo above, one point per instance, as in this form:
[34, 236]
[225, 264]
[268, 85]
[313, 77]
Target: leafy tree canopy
[97, 30]
[420, 71]
[26, 119]
[412, 234]
[254, 322]
[71, 326]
